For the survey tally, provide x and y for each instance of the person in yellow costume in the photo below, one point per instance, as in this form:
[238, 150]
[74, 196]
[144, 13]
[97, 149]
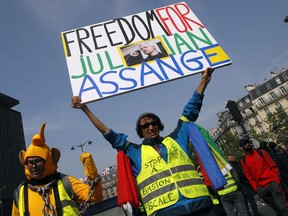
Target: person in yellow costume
[49, 192]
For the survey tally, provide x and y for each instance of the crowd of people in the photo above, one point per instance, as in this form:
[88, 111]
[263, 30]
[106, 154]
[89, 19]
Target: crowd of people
[263, 169]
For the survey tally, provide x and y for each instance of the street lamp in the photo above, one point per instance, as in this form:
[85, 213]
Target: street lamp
[81, 145]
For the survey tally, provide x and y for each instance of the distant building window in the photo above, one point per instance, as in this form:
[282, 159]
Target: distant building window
[268, 86]
[261, 129]
[240, 103]
[273, 95]
[256, 119]
[247, 100]
[258, 92]
[277, 79]
[282, 89]
[267, 111]
[262, 101]
[251, 109]
[285, 76]
[277, 104]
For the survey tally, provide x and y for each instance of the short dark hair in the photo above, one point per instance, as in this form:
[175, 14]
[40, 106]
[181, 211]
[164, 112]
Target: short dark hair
[151, 115]
[243, 142]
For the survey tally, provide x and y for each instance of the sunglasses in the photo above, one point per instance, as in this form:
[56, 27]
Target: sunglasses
[36, 162]
[153, 123]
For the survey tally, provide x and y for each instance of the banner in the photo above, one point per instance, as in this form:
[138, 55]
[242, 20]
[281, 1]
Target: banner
[137, 51]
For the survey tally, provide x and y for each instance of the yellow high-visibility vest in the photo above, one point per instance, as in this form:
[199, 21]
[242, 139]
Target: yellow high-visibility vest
[69, 207]
[230, 186]
[160, 182]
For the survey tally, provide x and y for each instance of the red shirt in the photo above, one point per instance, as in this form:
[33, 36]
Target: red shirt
[260, 171]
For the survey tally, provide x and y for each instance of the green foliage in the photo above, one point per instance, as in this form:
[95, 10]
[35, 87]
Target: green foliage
[259, 136]
[278, 124]
[229, 145]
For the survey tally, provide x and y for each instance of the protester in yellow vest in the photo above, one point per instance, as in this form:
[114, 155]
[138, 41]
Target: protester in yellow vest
[167, 180]
[48, 192]
[231, 197]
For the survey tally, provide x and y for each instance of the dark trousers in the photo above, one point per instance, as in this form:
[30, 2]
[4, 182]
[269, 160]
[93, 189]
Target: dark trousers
[249, 197]
[234, 200]
[274, 195]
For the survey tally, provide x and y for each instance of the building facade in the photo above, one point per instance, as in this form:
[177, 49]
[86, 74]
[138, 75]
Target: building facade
[254, 107]
[11, 143]
[109, 182]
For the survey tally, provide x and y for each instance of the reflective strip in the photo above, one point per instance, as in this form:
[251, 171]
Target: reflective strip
[154, 178]
[182, 168]
[229, 185]
[229, 178]
[189, 182]
[66, 203]
[158, 192]
[166, 173]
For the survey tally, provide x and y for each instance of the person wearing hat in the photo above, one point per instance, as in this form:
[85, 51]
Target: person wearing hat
[263, 175]
[47, 191]
[166, 178]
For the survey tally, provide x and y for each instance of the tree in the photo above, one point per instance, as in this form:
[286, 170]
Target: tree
[278, 124]
[229, 145]
[278, 128]
[259, 136]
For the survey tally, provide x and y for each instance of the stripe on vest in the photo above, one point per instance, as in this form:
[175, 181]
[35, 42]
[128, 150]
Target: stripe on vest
[182, 168]
[65, 203]
[158, 192]
[154, 178]
[189, 182]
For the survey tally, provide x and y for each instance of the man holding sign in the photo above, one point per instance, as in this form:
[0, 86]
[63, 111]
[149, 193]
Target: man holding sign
[166, 178]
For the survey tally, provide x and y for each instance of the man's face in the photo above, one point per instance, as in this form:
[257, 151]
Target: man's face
[147, 49]
[149, 127]
[248, 147]
[36, 166]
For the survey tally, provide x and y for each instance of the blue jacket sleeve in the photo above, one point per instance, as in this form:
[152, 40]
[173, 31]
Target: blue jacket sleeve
[193, 107]
[117, 140]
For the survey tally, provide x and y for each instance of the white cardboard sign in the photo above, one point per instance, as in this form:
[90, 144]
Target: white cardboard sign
[140, 50]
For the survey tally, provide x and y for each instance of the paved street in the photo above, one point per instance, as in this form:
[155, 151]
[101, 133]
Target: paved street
[264, 209]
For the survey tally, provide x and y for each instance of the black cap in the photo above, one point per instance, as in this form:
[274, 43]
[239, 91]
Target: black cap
[243, 142]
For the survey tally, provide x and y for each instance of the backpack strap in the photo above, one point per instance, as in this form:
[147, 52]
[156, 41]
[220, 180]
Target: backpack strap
[260, 152]
[16, 194]
[26, 210]
[67, 186]
[57, 200]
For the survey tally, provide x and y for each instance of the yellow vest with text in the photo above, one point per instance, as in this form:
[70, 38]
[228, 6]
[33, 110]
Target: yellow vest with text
[69, 207]
[230, 186]
[159, 182]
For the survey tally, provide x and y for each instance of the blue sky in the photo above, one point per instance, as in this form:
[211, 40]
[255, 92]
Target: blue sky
[34, 70]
